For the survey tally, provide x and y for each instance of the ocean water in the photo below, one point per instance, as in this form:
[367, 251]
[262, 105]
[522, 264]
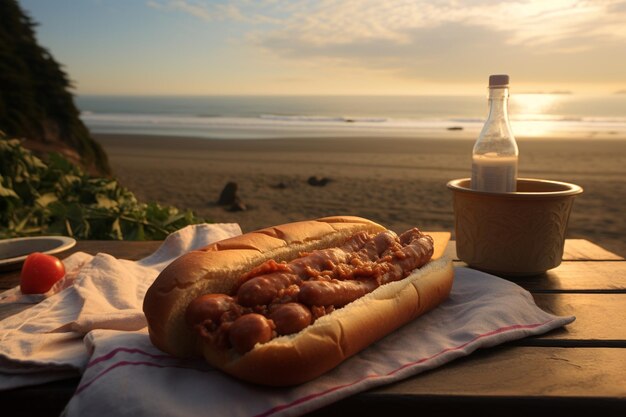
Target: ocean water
[258, 117]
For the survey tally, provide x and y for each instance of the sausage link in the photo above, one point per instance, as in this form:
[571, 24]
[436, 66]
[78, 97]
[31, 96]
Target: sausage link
[334, 292]
[263, 289]
[291, 318]
[248, 330]
[318, 260]
[414, 255]
[325, 259]
[208, 307]
[410, 235]
[383, 241]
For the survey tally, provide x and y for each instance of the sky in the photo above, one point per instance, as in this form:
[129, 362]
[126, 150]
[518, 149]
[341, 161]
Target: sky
[219, 47]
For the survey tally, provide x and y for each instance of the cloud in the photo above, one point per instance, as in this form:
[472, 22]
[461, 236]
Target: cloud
[529, 22]
[327, 22]
[408, 36]
[443, 52]
[210, 11]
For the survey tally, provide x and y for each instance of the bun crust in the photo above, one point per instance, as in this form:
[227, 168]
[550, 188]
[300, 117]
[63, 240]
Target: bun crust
[300, 357]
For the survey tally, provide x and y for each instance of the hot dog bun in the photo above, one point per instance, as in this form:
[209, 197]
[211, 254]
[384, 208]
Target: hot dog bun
[296, 358]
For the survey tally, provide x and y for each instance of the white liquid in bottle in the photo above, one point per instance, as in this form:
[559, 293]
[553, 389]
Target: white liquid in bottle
[495, 153]
[493, 173]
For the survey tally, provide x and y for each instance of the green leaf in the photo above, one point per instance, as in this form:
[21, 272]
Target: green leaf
[7, 192]
[46, 199]
[59, 198]
[105, 202]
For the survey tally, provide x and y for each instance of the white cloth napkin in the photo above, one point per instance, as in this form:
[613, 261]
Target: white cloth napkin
[95, 327]
[45, 342]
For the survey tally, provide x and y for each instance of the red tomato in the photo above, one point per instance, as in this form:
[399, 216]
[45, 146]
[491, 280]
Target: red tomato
[40, 272]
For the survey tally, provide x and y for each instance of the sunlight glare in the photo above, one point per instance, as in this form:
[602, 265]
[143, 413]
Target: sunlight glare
[533, 114]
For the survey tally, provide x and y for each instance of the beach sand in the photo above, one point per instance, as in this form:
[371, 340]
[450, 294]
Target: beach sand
[398, 182]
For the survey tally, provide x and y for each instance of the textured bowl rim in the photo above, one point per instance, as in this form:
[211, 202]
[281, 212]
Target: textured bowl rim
[570, 189]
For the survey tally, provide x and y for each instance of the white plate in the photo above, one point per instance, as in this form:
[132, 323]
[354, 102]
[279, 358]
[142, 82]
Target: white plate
[14, 251]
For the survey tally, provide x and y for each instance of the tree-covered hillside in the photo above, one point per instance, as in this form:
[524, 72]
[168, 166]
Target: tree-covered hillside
[35, 102]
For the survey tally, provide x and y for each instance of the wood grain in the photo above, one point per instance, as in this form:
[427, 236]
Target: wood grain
[505, 381]
[600, 318]
[574, 250]
[579, 276]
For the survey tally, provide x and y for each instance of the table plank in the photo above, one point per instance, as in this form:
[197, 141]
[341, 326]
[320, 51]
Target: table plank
[600, 320]
[584, 250]
[122, 249]
[574, 250]
[506, 380]
[579, 276]
[514, 377]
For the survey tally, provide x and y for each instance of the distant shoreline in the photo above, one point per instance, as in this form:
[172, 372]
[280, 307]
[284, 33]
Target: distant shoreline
[295, 116]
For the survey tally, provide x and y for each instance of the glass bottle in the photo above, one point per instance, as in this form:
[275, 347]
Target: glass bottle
[495, 154]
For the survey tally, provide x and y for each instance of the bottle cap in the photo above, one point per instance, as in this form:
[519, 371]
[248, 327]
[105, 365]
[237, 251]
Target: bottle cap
[499, 80]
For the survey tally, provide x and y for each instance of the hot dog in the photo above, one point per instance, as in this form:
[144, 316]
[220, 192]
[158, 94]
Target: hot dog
[283, 305]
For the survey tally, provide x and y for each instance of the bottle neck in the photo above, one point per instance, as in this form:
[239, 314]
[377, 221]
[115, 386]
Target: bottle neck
[498, 103]
[496, 135]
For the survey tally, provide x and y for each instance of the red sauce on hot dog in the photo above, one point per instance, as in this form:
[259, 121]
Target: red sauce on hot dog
[284, 298]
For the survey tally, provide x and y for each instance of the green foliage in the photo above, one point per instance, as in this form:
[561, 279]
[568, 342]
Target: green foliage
[58, 198]
[35, 101]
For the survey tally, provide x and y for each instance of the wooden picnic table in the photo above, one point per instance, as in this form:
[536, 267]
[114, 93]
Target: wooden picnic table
[576, 370]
